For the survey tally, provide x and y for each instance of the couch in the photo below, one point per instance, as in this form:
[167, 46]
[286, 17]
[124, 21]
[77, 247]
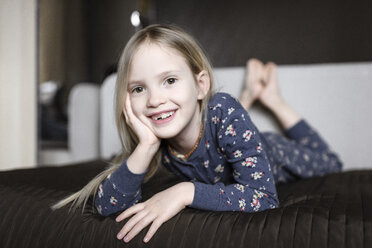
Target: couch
[328, 211]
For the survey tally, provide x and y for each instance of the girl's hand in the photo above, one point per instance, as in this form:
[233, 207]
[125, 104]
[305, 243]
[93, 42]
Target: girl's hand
[156, 210]
[143, 131]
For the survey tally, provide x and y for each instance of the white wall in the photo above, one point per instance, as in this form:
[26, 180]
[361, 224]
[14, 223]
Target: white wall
[18, 101]
[334, 98]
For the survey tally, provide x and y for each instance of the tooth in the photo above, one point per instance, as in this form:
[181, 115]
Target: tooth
[163, 116]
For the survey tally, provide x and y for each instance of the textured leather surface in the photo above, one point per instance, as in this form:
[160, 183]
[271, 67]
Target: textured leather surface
[331, 211]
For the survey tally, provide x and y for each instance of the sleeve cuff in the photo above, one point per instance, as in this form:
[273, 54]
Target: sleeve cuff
[299, 130]
[206, 196]
[126, 181]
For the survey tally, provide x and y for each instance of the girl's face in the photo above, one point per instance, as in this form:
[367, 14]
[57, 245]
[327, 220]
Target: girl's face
[164, 92]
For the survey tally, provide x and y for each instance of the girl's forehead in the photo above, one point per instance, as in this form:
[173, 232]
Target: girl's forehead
[152, 56]
[151, 48]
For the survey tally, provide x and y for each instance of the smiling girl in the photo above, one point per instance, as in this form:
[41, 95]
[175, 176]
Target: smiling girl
[168, 115]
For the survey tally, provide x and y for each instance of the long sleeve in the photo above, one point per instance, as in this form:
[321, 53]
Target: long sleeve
[119, 191]
[253, 188]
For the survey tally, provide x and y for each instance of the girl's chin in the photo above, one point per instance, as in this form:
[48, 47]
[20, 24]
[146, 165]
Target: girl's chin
[166, 133]
[164, 136]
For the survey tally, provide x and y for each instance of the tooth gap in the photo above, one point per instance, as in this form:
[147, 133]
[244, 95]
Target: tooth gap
[164, 116]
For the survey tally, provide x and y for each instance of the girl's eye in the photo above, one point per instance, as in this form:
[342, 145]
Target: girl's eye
[170, 81]
[138, 90]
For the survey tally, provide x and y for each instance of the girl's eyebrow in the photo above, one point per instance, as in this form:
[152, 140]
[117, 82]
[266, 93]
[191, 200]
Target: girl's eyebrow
[134, 82]
[166, 73]
[160, 76]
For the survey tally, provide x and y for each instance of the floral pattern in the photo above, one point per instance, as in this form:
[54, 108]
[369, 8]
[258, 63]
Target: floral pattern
[235, 168]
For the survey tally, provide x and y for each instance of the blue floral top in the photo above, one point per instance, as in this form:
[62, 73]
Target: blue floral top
[233, 167]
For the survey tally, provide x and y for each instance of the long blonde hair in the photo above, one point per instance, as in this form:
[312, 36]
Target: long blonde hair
[165, 35]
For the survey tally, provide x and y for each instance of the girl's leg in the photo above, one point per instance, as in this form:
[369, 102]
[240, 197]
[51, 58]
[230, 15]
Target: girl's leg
[253, 83]
[305, 153]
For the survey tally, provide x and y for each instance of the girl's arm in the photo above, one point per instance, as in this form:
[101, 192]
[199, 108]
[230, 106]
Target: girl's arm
[122, 189]
[159, 208]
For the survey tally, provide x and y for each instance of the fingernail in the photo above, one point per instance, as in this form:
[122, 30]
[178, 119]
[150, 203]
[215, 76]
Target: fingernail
[119, 236]
[145, 240]
[117, 220]
[126, 239]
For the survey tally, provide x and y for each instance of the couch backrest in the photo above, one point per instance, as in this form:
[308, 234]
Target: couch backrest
[83, 123]
[334, 98]
[109, 137]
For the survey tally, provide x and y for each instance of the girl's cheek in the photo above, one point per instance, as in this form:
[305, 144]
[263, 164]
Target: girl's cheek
[133, 104]
[137, 108]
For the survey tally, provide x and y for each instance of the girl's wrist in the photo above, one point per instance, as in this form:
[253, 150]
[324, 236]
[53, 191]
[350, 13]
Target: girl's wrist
[148, 149]
[141, 157]
[187, 190]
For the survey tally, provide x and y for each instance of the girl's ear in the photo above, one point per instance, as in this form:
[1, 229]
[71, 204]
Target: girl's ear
[204, 83]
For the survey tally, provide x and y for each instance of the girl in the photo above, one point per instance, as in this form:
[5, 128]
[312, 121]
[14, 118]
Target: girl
[166, 113]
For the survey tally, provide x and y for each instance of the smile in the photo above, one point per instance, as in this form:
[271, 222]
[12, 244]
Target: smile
[163, 117]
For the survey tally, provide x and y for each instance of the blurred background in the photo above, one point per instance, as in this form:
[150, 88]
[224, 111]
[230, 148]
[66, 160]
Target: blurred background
[48, 46]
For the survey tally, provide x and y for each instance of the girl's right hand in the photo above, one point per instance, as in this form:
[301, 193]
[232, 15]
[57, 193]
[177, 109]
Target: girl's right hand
[144, 133]
[156, 210]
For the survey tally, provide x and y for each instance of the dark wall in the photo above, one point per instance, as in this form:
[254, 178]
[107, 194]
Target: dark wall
[79, 41]
[287, 32]
[110, 29]
[82, 39]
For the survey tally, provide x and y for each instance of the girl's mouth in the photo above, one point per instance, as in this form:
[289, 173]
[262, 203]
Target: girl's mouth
[164, 117]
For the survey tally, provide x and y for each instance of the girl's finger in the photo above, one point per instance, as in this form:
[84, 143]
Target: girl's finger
[128, 107]
[125, 115]
[144, 222]
[125, 110]
[128, 112]
[130, 211]
[131, 223]
[153, 228]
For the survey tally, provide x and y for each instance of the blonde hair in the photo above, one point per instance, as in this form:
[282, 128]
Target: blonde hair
[164, 35]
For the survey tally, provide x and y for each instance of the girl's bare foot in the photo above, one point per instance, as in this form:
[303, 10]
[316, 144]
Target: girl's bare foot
[271, 98]
[253, 83]
[270, 94]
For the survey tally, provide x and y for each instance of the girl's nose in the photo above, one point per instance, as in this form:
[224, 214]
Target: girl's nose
[155, 98]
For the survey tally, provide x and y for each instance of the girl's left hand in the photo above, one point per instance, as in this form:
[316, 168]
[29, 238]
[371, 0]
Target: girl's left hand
[143, 131]
[156, 210]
